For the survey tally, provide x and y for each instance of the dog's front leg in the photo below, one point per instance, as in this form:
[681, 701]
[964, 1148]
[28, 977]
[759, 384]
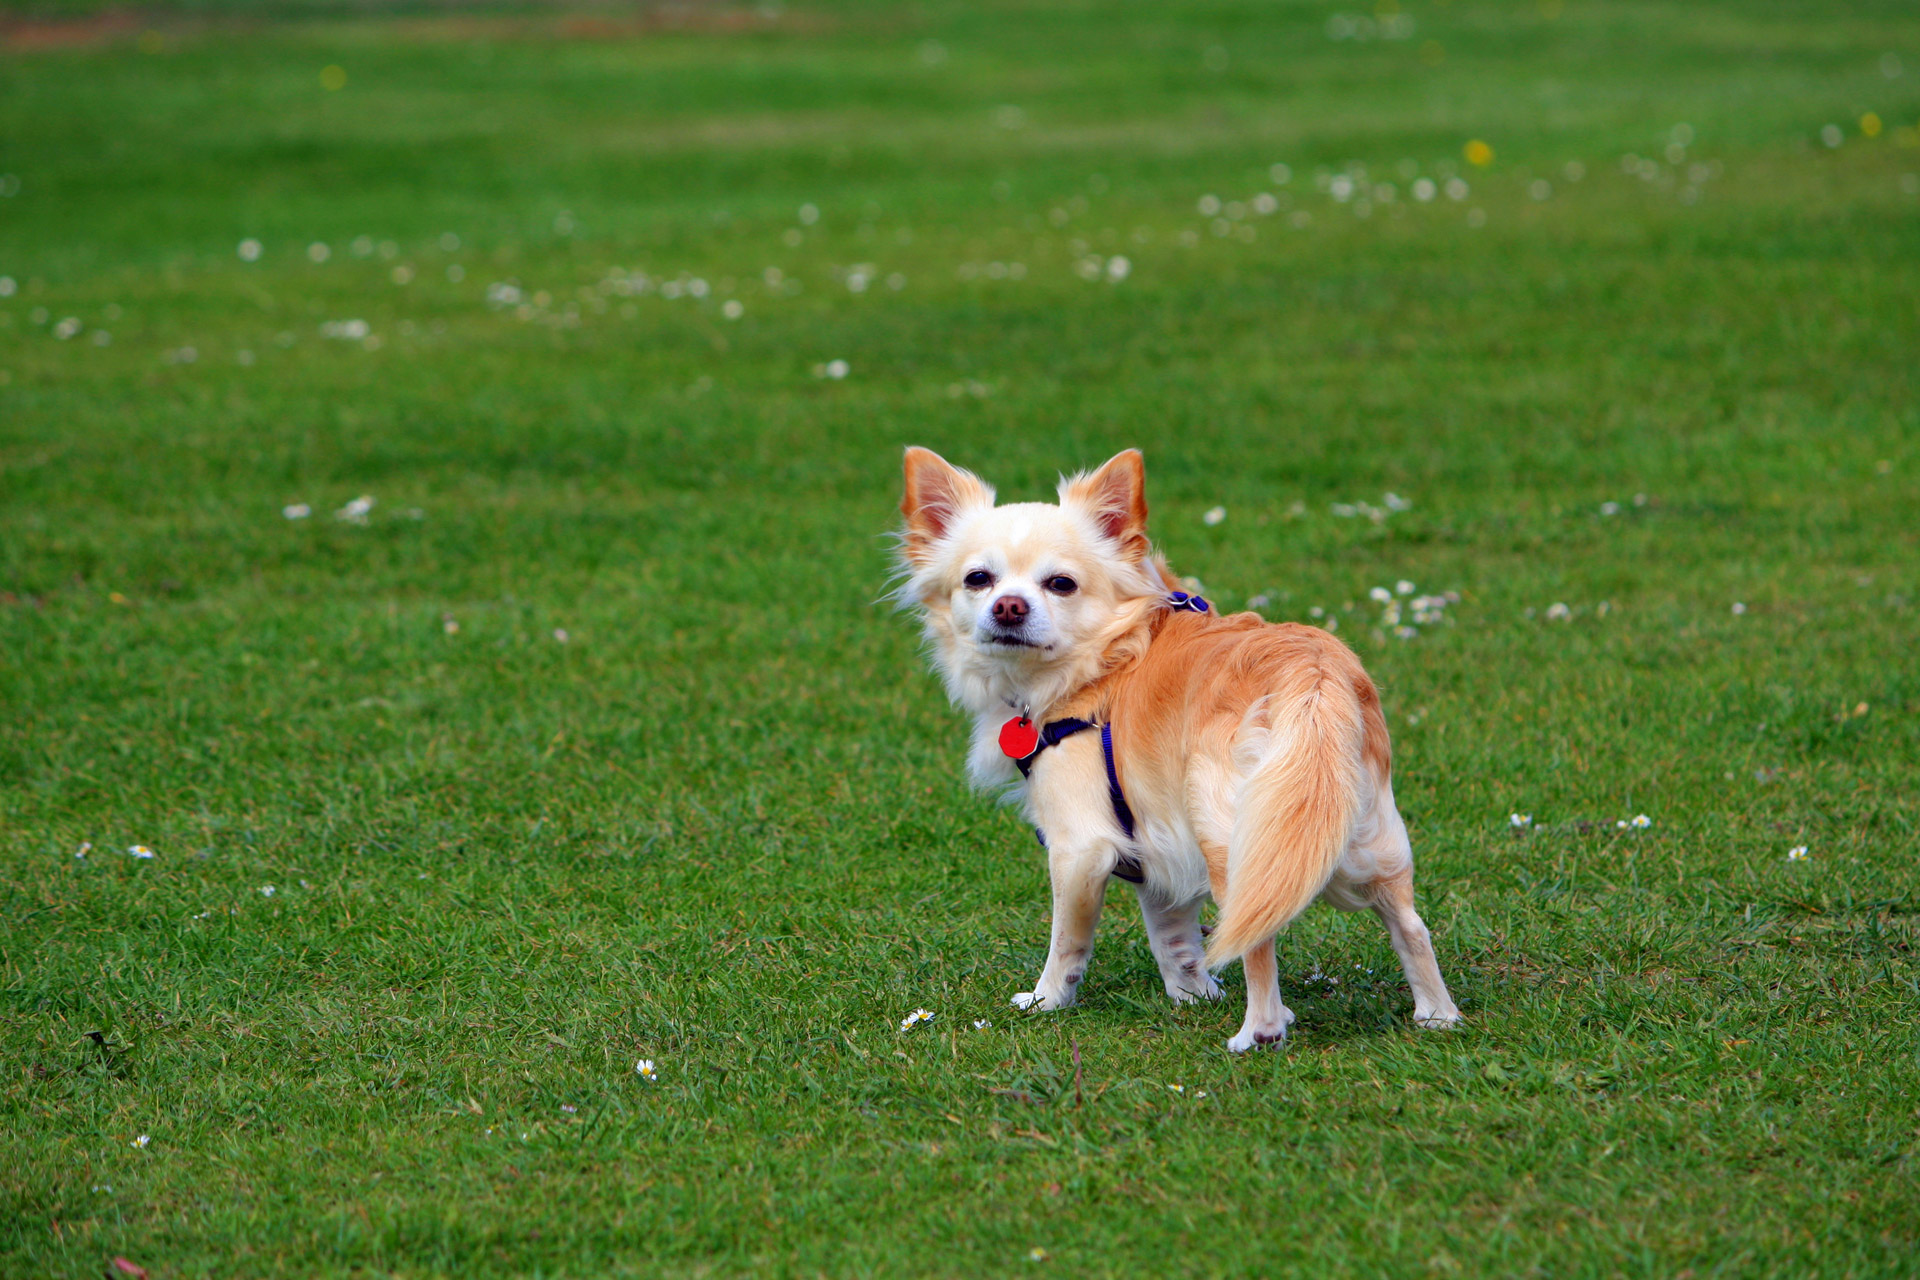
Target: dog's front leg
[1079, 873]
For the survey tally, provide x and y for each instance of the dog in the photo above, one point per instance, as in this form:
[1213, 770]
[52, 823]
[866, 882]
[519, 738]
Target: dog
[1150, 738]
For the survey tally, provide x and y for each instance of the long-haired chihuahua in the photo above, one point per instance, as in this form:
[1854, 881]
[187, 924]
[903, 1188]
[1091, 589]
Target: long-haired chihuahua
[1155, 740]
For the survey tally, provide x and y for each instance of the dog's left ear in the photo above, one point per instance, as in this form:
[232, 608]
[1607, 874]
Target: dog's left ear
[937, 494]
[1116, 497]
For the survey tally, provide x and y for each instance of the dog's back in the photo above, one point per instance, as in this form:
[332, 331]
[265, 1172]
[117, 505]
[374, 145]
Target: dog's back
[1270, 739]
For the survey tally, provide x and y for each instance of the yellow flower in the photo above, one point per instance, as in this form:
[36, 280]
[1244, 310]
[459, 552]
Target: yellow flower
[1479, 153]
[1870, 125]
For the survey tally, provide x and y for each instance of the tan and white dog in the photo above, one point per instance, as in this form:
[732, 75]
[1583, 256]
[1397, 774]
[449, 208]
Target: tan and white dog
[1234, 758]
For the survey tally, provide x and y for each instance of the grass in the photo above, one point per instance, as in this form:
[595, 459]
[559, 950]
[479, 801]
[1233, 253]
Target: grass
[722, 825]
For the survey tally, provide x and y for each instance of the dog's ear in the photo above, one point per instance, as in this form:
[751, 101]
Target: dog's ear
[1116, 497]
[937, 494]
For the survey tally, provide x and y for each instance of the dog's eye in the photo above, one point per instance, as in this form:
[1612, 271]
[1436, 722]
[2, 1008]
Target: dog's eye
[1062, 585]
[979, 580]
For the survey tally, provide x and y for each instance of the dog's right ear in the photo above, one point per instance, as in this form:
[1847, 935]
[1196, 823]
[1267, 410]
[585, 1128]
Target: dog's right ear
[1116, 497]
[938, 493]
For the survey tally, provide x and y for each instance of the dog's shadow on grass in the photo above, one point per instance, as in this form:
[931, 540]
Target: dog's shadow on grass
[1329, 1008]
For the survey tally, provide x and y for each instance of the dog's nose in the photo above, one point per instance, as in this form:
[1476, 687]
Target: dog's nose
[1009, 611]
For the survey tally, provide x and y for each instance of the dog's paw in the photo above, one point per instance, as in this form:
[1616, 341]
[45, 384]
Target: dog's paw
[1260, 1035]
[1200, 987]
[1438, 1020]
[1246, 1040]
[1039, 1000]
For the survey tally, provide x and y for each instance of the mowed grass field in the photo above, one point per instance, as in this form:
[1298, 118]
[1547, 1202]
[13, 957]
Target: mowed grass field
[568, 728]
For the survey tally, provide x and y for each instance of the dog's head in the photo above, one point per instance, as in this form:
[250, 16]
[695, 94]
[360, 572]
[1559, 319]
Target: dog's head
[1020, 599]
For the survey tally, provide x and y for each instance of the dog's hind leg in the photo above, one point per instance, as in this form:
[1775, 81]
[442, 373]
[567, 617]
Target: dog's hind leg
[1267, 1015]
[1174, 935]
[1392, 899]
[1378, 872]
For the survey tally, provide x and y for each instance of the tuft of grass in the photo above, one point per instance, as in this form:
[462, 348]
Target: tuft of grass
[592, 741]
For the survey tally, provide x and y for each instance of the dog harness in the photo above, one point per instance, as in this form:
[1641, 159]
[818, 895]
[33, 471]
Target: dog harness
[1022, 743]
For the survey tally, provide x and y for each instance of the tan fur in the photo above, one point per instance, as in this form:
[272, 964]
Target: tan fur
[1188, 695]
[1255, 756]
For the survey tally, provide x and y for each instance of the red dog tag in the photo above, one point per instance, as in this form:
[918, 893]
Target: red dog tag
[1018, 738]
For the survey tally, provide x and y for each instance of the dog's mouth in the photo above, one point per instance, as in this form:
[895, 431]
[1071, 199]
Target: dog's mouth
[1009, 640]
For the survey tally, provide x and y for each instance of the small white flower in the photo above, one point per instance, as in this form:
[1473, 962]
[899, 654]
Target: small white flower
[1520, 821]
[317, 252]
[915, 1018]
[1559, 612]
[1620, 825]
[1260, 601]
[296, 511]
[355, 512]
[835, 369]
[1036, 1254]
[86, 847]
[1797, 854]
[1609, 508]
[1380, 594]
[1215, 515]
[1642, 821]
[1177, 1088]
[140, 851]
[560, 634]
[267, 891]
[1403, 587]
[733, 309]
[644, 1068]
[1738, 608]
[142, 1141]
[981, 1024]
[250, 250]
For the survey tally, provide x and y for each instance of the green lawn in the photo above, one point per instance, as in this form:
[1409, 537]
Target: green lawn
[592, 740]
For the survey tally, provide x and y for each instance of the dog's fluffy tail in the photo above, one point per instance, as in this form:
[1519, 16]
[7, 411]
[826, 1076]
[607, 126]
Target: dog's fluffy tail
[1296, 814]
